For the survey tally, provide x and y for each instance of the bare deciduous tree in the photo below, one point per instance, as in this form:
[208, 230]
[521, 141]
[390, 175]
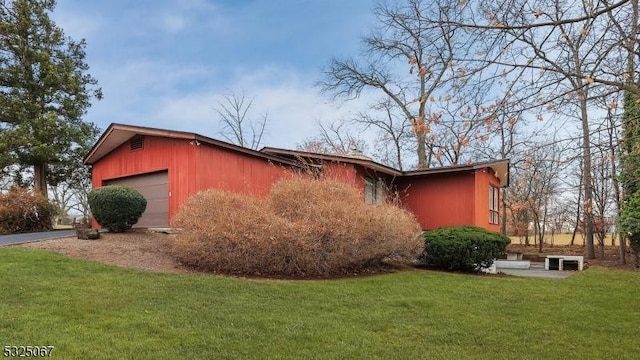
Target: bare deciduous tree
[394, 132]
[333, 138]
[534, 187]
[408, 36]
[71, 194]
[238, 125]
[571, 51]
[506, 140]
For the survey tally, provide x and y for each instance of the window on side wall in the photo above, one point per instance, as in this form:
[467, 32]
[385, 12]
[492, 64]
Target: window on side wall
[494, 215]
[375, 191]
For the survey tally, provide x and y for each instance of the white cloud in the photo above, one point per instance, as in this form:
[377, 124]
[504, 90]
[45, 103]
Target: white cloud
[174, 96]
[183, 15]
[188, 112]
[293, 106]
[174, 23]
[166, 63]
[134, 91]
[78, 26]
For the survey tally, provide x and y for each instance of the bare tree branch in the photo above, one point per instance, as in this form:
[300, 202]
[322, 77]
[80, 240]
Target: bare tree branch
[238, 126]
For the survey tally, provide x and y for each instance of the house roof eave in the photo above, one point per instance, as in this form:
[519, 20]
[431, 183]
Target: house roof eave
[336, 158]
[117, 134]
[500, 168]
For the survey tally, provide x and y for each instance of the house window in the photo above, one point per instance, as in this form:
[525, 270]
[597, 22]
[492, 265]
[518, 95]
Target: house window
[137, 143]
[375, 191]
[494, 215]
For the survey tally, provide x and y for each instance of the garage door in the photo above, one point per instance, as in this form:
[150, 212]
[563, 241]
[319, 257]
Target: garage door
[155, 188]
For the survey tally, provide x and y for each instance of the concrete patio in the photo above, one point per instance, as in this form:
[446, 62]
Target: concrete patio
[536, 270]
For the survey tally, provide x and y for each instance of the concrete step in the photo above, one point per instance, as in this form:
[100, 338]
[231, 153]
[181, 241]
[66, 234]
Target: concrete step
[512, 264]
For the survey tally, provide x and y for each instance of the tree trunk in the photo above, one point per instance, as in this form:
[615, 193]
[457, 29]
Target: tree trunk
[540, 236]
[543, 228]
[587, 180]
[575, 228]
[422, 150]
[623, 247]
[398, 154]
[40, 179]
[613, 238]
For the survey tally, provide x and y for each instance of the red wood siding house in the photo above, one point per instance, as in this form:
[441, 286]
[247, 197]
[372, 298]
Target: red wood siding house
[191, 163]
[169, 166]
[456, 195]
[446, 196]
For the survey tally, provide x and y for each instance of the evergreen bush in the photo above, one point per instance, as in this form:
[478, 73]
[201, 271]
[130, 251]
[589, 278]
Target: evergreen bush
[463, 248]
[630, 224]
[116, 208]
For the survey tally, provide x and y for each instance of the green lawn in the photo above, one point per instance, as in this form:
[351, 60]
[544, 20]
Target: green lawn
[90, 310]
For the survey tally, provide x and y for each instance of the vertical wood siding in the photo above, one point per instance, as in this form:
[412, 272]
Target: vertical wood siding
[483, 179]
[439, 200]
[228, 170]
[343, 172]
[191, 168]
[454, 199]
[157, 154]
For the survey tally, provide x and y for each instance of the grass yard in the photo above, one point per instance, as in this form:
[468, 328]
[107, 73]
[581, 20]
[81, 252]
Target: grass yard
[90, 310]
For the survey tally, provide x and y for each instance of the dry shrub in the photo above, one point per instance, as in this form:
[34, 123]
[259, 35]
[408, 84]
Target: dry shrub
[232, 233]
[306, 228]
[341, 231]
[23, 211]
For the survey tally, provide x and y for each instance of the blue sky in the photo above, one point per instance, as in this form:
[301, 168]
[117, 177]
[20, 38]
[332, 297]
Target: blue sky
[165, 64]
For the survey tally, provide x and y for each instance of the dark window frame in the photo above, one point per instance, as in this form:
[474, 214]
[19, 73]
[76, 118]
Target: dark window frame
[377, 188]
[494, 205]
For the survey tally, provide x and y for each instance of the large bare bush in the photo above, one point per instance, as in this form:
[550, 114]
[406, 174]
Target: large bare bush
[305, 228]
[24, 211]
[232, 233]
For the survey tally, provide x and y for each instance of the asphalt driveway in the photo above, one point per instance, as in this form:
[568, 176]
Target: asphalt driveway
[28, 237]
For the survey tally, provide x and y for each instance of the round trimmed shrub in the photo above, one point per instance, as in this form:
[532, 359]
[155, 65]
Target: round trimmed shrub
[117, 208]
[305, 228]
[463, 248]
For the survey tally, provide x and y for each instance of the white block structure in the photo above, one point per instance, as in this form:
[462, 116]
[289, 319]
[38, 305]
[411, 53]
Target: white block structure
[551, 260]
[512, 264]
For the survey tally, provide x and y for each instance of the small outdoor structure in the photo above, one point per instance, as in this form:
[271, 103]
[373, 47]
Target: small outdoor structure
[512, 264]
[564, 262]
[514, 256]
[499, 265]
[169, 166]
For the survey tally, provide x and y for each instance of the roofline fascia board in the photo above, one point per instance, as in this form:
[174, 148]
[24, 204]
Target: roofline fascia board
[448, 169]
[148, 131]
[276, 154]
[337, 158]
